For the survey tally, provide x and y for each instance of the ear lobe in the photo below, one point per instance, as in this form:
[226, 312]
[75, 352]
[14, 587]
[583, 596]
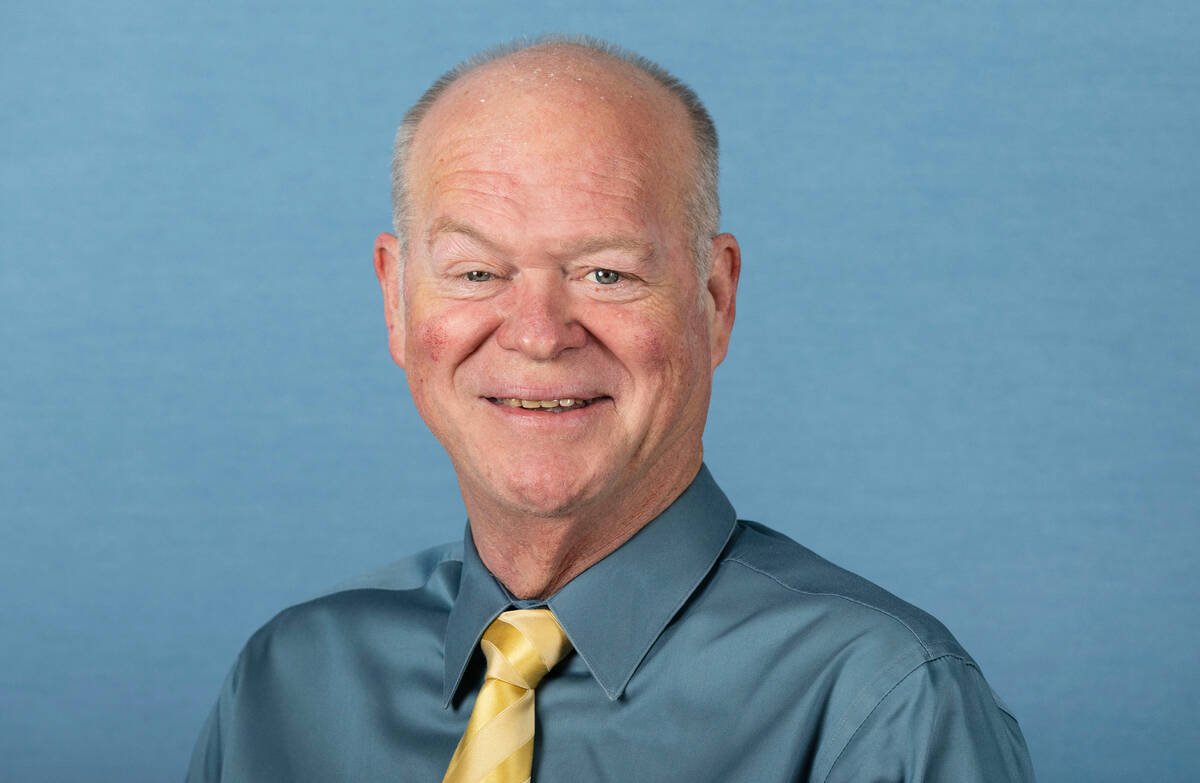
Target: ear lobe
[722, 289]
[387, 269]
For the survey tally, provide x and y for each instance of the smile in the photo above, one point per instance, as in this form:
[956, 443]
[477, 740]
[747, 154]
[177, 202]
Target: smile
[561, 405]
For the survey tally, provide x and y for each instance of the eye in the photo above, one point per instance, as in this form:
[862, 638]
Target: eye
[605, 276]
[477, 276]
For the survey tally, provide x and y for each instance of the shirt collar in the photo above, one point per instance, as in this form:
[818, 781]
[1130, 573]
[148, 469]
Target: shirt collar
[481, 599]
[614, 611]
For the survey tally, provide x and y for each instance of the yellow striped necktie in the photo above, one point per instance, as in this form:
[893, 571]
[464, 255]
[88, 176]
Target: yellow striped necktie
[497, 747]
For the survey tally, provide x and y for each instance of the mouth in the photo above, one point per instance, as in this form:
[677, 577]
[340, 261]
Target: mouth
[560, 405]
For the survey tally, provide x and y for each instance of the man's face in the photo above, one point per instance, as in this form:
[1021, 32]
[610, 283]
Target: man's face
[554, 333]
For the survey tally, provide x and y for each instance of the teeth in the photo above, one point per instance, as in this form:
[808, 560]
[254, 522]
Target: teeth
[565, 402]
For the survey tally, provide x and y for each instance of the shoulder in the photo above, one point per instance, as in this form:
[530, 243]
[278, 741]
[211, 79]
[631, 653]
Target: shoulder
[411, 573]
[405, 599]
[301, 680]
[798, 578]
[883, 669]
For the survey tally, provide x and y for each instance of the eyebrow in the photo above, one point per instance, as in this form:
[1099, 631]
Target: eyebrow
[587, 246]
[448, 225]
[601, 243]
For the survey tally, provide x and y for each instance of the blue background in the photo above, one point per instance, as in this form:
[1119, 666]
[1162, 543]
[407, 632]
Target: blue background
[967, 362]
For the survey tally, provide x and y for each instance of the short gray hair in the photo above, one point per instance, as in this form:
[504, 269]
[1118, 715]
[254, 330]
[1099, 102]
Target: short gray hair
[702, 203]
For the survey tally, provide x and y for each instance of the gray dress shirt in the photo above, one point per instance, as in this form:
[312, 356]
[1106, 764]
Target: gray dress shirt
[707, 649]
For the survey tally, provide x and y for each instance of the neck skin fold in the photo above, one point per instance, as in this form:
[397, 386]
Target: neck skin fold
[534, 556]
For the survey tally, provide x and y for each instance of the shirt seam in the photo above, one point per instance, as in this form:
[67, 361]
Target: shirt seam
[371, 579]
[928, 654]
[882, 698]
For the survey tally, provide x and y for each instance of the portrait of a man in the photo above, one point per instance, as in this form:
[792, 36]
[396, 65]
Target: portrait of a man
[559, 294]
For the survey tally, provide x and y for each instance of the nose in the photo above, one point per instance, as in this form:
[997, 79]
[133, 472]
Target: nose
[540, 321]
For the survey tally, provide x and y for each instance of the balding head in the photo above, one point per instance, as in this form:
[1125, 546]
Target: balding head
[524, 89]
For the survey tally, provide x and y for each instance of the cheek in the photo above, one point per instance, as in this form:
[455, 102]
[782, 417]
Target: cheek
[665, 353]
[667, 337]
[431, 338]
[449, 335]
[648, 343]
[639, 339]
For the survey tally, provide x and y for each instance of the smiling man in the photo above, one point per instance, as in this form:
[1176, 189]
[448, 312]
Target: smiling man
[546, 305]
[559, 296]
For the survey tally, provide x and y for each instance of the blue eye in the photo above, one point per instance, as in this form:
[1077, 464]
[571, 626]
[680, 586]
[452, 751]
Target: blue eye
[478, 276]
[605, 276]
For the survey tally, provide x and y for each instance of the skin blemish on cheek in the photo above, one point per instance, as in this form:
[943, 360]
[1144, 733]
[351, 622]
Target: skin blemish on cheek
[431, 336]
[650, 346]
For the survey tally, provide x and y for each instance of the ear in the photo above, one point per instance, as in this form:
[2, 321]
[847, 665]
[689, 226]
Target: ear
[387, 269]
[726, 261]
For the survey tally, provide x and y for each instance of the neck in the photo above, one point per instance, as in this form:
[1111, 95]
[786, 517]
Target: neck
[534, 556]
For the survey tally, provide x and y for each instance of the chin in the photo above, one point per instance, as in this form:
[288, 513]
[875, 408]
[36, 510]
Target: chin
[553, 491]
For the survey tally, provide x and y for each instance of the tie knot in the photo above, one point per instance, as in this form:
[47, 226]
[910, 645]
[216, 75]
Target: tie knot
[522, 645]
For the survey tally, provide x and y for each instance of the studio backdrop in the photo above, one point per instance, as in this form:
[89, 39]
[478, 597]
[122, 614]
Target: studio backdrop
[966, 361]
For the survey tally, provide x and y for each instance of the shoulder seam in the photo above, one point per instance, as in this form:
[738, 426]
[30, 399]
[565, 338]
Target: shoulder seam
[369, 580]
[866, 716]
[925, 647]
[345, 588]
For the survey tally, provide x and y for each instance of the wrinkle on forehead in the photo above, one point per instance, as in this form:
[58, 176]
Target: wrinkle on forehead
[514, 184]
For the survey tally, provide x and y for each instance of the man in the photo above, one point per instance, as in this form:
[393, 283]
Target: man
[559, 295]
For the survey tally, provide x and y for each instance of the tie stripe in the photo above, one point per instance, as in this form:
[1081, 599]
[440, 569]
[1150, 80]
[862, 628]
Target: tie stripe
[512, 768]
[521, 646]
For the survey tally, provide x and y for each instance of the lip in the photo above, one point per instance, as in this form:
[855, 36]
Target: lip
[542, 393]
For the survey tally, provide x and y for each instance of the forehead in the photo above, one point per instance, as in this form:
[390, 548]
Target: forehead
[554, 128]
